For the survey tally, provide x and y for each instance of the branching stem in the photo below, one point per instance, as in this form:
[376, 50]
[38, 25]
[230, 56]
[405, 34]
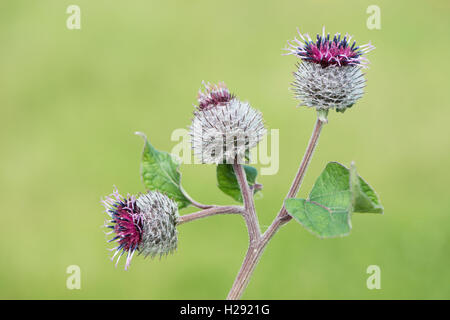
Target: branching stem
[195, 203]
[257, 241]
[256, 248]
[211, 211]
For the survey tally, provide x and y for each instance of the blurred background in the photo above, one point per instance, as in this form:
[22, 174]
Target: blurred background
[70, 101]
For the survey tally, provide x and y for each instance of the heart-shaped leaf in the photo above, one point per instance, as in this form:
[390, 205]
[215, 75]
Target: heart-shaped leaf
[159, 171]
[337, 193]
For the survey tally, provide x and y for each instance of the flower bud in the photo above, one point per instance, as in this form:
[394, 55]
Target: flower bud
[159, 220]
[146, 224]
[330, 75]
[224, 128]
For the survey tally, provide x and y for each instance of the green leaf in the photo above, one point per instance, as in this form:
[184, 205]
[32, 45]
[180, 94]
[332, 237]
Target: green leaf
[227, 181]
[159, 171]
[337, 193]
[364, 200]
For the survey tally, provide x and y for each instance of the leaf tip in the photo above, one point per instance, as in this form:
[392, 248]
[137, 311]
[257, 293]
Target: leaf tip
[141, 134]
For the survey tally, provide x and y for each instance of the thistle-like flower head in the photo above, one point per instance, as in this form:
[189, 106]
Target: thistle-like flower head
[146, 224]
[214, 95]
[330, 74]
[224, 128]
[328, 52]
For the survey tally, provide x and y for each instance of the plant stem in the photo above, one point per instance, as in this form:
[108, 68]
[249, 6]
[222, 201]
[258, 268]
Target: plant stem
[256, 248]
[251, 259]
[195, 203]
[251, 219]
[304, 164]
[254, 253]
[210, 212]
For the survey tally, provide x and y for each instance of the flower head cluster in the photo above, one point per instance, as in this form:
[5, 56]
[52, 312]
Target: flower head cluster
[224, 128]
[146, 224]
[330, 74]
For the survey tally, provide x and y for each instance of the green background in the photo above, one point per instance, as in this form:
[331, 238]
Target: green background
[70, 101]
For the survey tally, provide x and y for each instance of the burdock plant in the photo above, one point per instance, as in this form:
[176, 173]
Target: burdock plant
[329, 75]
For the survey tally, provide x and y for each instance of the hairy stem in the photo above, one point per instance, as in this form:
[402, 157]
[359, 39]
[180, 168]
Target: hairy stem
[251, 260]
[256, 248]
[296, 183]
[250, 216]
[210, 212]
[195, 203]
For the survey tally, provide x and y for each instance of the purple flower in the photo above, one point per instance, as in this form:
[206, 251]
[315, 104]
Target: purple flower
[213, 95]
[146, 224]
[326, 51]
[329, 76]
